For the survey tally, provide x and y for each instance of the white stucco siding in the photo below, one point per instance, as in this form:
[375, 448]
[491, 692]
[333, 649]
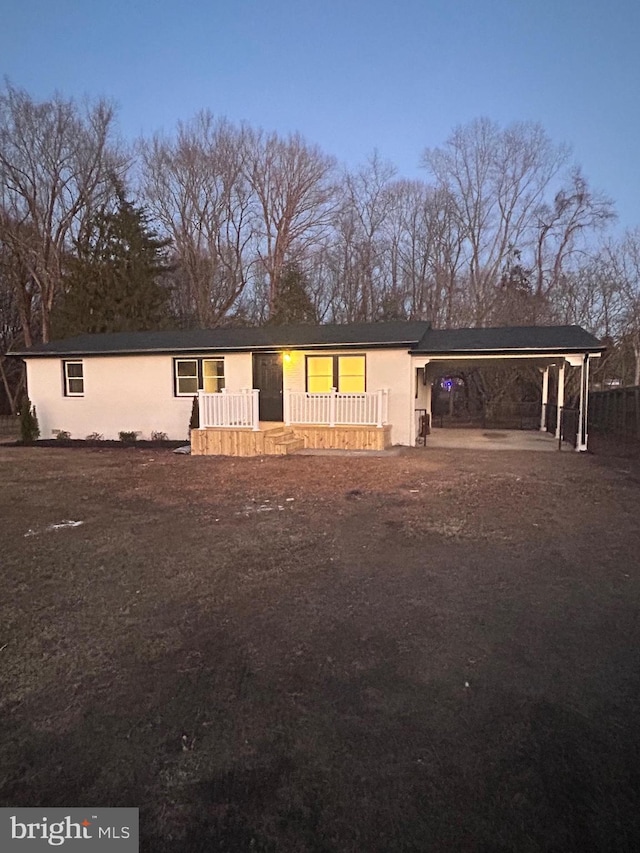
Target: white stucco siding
[136, 392]
[423, 392]
[392, 369]
[238, 370]
[385, 369]
[121, 393]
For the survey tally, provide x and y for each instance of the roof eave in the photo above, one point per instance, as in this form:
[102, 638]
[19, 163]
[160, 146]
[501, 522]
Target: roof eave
[510, 351]
[218, 349]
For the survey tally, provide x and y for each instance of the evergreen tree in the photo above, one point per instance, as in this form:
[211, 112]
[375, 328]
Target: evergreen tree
[113, 282]
[29, 427]
[292, 303]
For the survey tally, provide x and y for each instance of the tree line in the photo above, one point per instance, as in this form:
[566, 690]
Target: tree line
[221, 223]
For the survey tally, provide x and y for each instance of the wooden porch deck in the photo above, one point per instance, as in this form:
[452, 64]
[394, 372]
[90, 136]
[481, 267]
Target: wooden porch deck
[276, 439]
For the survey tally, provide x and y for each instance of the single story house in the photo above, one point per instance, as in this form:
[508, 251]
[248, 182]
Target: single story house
[275, 389]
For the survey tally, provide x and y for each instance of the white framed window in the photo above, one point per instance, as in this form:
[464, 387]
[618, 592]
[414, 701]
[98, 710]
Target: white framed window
[186, 376]
[345, 373]
[212, 375]
[198, 374]
[73, 375]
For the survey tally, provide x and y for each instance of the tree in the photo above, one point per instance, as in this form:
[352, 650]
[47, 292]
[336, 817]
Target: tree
[497, 179]
[294, 199]
[29, 427]
[292, 303]
[58, 162]
[113, 282]
[196, 189]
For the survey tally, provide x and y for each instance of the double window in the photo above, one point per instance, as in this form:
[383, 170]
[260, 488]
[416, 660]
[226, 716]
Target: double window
[73, 378]
[198, 374]
[345, 373]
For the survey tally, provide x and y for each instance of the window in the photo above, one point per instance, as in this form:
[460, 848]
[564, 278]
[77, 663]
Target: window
[351, 374]
[198, 374]
[319, 374]
[213, 375]
[73, 373]
[346, 373]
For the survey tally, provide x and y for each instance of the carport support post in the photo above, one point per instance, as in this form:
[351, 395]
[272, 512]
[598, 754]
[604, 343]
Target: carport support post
[545, 398]
[560, 398]
[582, 437]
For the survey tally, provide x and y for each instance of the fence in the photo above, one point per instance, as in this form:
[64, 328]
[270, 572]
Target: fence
[503, 415]
[616, 411]
[370, 408]
[9, 426]
[229, 409]
[569, 420]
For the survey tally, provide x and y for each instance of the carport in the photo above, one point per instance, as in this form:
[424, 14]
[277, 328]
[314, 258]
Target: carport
[553, 350]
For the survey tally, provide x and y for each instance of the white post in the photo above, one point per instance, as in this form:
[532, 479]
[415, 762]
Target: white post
[332, 407]
[201, 413]
[255, 401]
[286, 408]
[581, 439]
[379, 420]
[427, 398]
[545, 398]
[560, 398]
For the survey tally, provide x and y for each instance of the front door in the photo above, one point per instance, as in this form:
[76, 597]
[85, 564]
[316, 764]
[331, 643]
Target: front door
[267, 378]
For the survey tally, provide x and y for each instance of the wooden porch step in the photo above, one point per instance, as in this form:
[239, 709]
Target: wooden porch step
[288, 445]
[281, 441]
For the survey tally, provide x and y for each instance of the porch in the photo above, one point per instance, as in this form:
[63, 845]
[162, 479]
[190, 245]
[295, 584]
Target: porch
[230, 423]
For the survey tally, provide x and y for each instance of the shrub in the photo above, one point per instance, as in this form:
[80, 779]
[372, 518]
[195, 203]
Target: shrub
[61, 434]
[29, 427]
[95, 436]
[194, 421]
[128, 437]
[156, 435]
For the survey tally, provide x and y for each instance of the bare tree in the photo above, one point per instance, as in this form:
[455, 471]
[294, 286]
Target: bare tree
[623, 258]
[563, 227]
[294, 192]
[57, 162]
[426, 250]
[497, 179]
[196, 188]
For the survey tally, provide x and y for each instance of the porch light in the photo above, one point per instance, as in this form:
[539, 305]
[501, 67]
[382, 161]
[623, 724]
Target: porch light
[286, 356]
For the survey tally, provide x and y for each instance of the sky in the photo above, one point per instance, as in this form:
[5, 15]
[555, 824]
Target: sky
[352, 76]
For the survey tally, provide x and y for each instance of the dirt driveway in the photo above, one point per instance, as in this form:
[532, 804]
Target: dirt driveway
[433, 652]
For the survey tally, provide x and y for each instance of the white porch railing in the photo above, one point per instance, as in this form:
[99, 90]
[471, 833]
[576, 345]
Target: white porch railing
[334, 409]
[229, 409]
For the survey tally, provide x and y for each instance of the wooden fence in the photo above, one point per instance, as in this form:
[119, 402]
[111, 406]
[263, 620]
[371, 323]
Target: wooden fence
[616, 411]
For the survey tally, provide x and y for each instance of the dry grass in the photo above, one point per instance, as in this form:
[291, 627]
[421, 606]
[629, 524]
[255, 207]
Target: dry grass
[430, 652]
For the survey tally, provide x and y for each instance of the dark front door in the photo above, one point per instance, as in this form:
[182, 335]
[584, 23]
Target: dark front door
[267, 378]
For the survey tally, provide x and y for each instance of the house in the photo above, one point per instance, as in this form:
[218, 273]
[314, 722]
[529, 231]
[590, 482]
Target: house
[276, 389]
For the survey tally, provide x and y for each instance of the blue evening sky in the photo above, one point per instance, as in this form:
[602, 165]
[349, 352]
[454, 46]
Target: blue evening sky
[352, 76]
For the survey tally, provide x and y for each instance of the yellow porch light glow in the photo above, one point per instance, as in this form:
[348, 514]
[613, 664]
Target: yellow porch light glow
[286, 356]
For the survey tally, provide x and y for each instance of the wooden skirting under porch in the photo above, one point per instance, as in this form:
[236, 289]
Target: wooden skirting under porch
[344, 437]
[279, 440]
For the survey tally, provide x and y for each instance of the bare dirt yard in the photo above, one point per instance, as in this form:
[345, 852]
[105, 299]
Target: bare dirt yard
[432, 652]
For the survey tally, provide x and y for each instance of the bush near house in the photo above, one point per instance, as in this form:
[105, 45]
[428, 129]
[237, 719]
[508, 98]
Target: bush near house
[29, 427]
[194, 420]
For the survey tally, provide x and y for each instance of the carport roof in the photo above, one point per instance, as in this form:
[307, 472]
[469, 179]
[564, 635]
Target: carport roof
[503, 340]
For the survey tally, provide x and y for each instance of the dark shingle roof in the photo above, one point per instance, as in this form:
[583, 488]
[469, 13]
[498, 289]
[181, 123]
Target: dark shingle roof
[506, 339]
[400, 334]
[415, 336]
